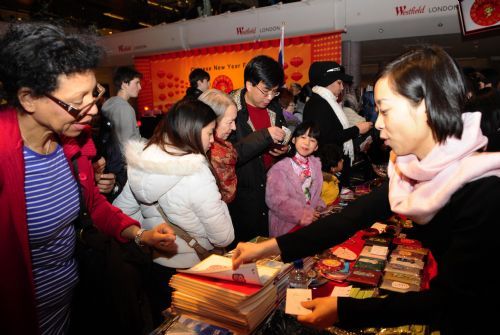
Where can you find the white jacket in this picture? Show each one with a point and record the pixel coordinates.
(187, 192)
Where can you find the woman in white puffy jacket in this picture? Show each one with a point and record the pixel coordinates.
(172, 170)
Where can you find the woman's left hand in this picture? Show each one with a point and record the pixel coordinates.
(324, 312)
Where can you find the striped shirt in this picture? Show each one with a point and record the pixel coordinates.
(52, 204)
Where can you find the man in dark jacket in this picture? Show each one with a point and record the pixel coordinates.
(327, 79)
(256, 139)
(199, 81)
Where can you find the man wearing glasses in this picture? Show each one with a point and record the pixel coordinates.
(257, 140)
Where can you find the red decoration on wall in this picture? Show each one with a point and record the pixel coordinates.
(321, 47)
(296, 76)
(296, 61)
(223, 83)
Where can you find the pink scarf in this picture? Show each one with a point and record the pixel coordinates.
(419, 189)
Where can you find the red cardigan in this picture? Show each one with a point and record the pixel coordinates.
(17, 295)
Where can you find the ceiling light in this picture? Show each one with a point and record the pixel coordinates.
(114, 16)
(145, 24)
(162, 6)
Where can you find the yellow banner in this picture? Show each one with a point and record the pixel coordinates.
(166, 76)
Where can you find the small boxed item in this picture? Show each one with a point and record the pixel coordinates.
(368, 263)
(365, 277)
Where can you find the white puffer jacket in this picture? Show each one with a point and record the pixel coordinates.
(187, 192)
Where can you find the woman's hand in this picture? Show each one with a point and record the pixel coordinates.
(250, 252)
(324, 312)
(161, 237)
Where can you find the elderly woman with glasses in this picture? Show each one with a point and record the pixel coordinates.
(45, 153)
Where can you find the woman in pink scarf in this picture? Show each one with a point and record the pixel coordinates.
(440, 178)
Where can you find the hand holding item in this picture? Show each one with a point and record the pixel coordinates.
(161, 237)
(364, 127)
(106, 182)
(316, 215)
(276, 133)
(99, 166)
(307, 217)
(324, 312)
(250, 252)
(278, 150)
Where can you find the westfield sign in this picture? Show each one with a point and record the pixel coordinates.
(246, 31)
(404, 10)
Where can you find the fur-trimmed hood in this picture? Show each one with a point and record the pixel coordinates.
(153, 172)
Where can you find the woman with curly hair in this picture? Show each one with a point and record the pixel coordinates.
(51, 89)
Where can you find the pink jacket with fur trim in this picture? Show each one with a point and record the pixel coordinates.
(285, 198)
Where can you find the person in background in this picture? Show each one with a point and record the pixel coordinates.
(368, 102)
(295, 88)
(487, 101)
(223, 155)
(350, 106)
(327, 79)
(110, 172)
(331, 165)
(49, 82)
(172, 171)
(258, 114)
(294, 184)
(118, 110)
(441, 180)
(199, 80)
(288, 107)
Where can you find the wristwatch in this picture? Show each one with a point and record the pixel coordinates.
(138, 236)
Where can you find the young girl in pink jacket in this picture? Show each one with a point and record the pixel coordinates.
(293, 192)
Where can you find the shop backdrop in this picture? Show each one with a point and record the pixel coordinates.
(166, 75)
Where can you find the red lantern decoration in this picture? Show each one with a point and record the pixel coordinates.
(296, 61)
(296, 76)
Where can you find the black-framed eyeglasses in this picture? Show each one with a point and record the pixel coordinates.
(270, 94)
(79, 113)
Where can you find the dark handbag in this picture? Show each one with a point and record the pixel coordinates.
(112, 293)
(191, 241)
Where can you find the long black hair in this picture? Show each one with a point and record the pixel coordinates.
(181, 127)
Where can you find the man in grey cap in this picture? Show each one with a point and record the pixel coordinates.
(327, 81)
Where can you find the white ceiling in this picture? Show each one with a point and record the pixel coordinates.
(381, 51)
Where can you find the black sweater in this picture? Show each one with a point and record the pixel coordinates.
(462, 237)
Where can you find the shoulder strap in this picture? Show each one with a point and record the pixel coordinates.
(191, 241)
